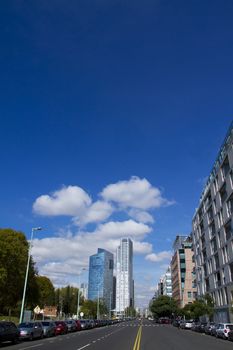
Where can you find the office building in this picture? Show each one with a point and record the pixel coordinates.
(182, 272)
(124, 276)
(212, 234)
(101, 276)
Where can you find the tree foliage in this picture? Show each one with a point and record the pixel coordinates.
(198, 308)
(163, 306)
(13, 261)
(89, 308)
(66, 299)
(46, 291)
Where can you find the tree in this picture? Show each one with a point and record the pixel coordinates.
(46, 291)
(130, 312)
(66, 299)
(200, 307)
(163, 306)
(13, 261)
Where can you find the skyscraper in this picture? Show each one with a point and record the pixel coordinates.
(101, 276)
(124, 276)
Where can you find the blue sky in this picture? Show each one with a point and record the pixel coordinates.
(132, 94)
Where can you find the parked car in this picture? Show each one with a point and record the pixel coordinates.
(49, 328)
(230, 335)
(200, 327)
(84, 324)
(164, 320)
(213, 329)
(61, 327)
(194, 326)
(8, 332)
(71, 324)
(31, 330)
(186, 324)
(208, 327)
(78, 324)
(223, 329)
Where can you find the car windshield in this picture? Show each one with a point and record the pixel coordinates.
(229, 326)
(46, 323)
(26, 325)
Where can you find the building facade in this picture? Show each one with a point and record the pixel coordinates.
(182, 272)
(212, 234)
(100, 285)
(167, 283)
(124, 276)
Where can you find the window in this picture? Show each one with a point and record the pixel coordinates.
(210, 215)
(215, 185)
(227, 229)
(212, 230)
(220, 219)
(225, 168)
(189, 295)
(223, 193)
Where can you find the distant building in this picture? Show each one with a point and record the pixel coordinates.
(160, 288)
(124, 276)
(101, 276)
(167, 283)
(213, 234)
(182, 272)
(84, 290)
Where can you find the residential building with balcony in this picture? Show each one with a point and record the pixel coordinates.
(213, 234)
(182, 271)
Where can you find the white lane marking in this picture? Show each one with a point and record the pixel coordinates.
(32, 346)
(83, 347)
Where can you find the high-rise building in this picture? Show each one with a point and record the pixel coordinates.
(182, 272)
(167, 283)
(124, 276)
(84, 290)
(213, 234)
(100, 284)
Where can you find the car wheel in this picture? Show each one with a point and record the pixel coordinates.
(42, 335)
(31, 336)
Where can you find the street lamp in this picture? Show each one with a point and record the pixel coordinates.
(78, 302)
(26, 275)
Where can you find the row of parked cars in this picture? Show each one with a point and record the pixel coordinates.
(219, 330)
(40, 329)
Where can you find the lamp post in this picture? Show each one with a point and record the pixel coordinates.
(78, 302)
(98, 305)
(26, 275)
(110, 306)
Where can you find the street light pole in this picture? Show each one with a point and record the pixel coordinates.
(78, 302)
(110, 306)
(98, 305)
(26, 275)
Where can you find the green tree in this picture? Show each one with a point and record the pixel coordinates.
(200, 307)
(130, 312)
(163, 306)
(46, 291)
(66, 300)
(13, 260)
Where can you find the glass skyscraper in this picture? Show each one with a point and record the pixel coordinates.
(101, 277)
(124, 276)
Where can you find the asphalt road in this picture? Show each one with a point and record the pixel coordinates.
(132, 335)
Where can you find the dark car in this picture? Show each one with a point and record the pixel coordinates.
(8, 332)
(208, 327)
(71, 324)
(200, 327)
(61, 327)
(230, 335)
(49, 328)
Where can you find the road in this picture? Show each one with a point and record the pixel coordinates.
(134, 335)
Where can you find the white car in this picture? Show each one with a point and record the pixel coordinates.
(186, 324)
(223, 329)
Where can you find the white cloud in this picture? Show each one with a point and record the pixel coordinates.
(141, 216)
(165, 255)
(97, 212)
(70, 201)
(135, 193)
